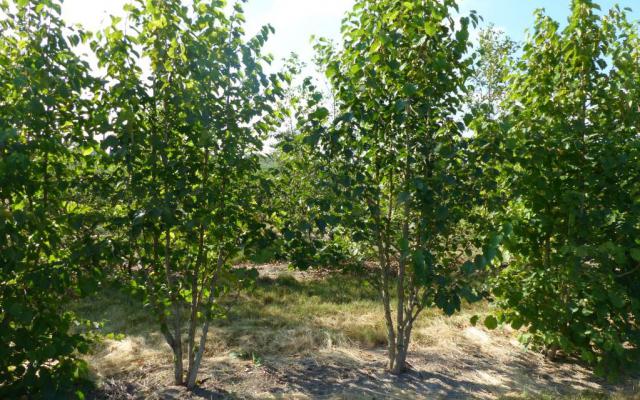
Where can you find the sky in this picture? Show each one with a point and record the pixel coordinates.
(295, 21)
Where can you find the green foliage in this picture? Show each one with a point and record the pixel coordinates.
(569, 166)
(182, 154)
(305, 224)
(157, 178)
(394, 157)
(49, 250)
(496, 56)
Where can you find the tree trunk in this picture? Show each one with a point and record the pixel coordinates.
(401, 324)
(178, 368)
(400, 362)
(391, 333)
(386, 299)
(201, 262)
(195, 301)
(192, 374)
(177, 314)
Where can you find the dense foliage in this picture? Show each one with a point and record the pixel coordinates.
(182, 152)
(568, 152)
(49, 250)
(305, 207)
(395, 153)
(439, 171)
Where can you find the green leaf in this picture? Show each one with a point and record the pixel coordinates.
(468, 267)
(491, 322)
(616, 300)
(311, 140)
(431, 28)
(410, 89)
(480, 261)
(331, 71)
(517, 323)
(403, 197)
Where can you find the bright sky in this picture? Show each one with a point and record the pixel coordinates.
(296, 20)
(515, 16)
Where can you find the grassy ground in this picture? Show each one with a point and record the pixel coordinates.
(303, 336)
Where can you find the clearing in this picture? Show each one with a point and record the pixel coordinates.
(320, 335)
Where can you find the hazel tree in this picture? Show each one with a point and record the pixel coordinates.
(398, 157)
(184, 154)
(496, 56)
(49, 247)
(569, 151)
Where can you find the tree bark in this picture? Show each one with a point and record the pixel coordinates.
(403, 326)
(177, 313)
(192, 374)
(201, 261)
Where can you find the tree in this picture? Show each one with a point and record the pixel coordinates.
(496, 56)
(184, 154)
(395, 153)
(301, 205)
(568, 151)
(49, 250)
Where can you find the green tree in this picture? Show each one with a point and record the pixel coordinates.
(307, 229)
(184, 155)
(396, 155)
(49, 250)
(569, 159)
(496, 56)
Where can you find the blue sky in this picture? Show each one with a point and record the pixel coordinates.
(296, 20)
(515, 16)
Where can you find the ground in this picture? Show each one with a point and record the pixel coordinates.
(321, 336)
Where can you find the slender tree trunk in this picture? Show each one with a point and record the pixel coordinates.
(403, 322)
(192, 373)
(400, 323)
(164, 326)
(403, 326)
(386, 301)
(195, 367)
(131, 204)
(200, 262)
(195, 294)
(177, 313)
(385, 286)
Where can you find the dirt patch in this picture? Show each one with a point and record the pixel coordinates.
(450, 359)
(360, 374)
(278, 270)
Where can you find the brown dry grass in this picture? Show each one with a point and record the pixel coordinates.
(308, 336)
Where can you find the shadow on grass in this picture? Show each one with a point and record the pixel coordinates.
(281, 326)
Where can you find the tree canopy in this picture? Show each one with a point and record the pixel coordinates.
(441, 169)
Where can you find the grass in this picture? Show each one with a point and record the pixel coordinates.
(280, 316)
(307, 315)
(282, 320)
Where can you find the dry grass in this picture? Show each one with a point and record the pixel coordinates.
(300, 336)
